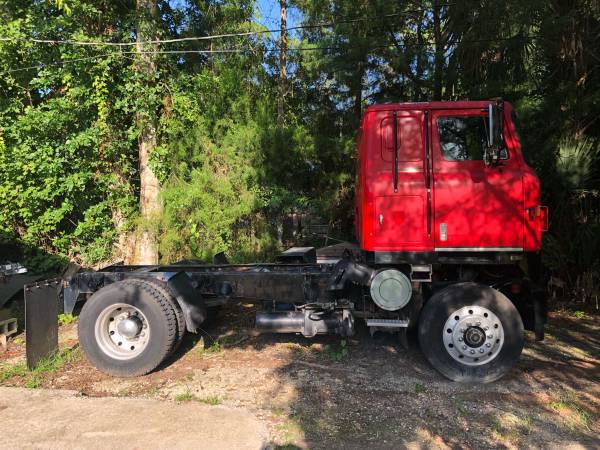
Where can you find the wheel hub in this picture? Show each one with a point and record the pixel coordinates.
(129, 327)
(122, 331)
(473, 335)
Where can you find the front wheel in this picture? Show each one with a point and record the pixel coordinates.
(471, 333)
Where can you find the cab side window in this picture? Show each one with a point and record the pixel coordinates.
(464, 138)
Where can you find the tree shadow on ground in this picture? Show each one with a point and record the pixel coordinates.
(372, 393)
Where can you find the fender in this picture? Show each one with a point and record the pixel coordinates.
(190, 301)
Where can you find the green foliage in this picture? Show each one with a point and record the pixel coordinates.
(420, 388)
(66, 319)
(212, 349)
(186, 396)
(211, 400)
(337, 353)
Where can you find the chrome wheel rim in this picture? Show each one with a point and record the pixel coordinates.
(122, 331)
(473, 335)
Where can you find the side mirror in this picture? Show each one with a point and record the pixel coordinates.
(494, 129)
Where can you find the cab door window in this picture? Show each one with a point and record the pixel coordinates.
(464, 138)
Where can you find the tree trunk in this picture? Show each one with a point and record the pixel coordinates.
(358, 88)
(282, 67)
(418, 93)
(438, 67)
(150, 207)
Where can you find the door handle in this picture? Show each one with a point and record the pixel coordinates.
(380, 219)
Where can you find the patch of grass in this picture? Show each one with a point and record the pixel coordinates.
(569, 401)
(509, 426)
(186, 396)
(460, 406)
(420, 388)
(11, 371)
(290, 430)
(579, 314)
(66, 319)
(52, 364)
(213, 349)
(35, 377)
(211, 400)
(18, 341)
(337, 353)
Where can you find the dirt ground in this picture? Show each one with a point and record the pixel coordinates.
(360, 393)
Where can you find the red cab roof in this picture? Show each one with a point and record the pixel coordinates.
(462, 104)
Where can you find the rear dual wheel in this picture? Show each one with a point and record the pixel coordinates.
(471, 333)
(129, 327)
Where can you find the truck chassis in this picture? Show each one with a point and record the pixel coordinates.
(134, 317)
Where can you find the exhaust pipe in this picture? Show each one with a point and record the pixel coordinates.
(309, 322)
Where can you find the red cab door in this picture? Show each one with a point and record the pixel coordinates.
(399, 199)
(476, 207)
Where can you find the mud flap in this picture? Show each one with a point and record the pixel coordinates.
(41, 320)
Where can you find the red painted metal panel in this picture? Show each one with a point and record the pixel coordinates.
(473, 206)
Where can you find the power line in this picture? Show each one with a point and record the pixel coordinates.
(58, 63)
(390, 46)
(215, 36)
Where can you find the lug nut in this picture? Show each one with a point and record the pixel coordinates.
(464, 347)
(462, 330)
(478, 323)
(472, 352)
(481, 350)
(490, 336)
(460, 339)
(488, 345)
(486, 328)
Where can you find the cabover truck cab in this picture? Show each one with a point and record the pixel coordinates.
(448, 220)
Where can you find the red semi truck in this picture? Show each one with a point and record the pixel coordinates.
(447, 214)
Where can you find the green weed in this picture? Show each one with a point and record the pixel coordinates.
(337, 354)
(66, 319)
(12, 371)
(460, 406)
(186, 396)
(214, 348)
(211, 400)
(420, 388)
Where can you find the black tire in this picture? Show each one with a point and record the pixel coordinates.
(156, 308)
(442, 305)
(169, 297)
